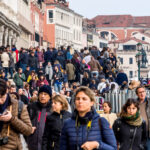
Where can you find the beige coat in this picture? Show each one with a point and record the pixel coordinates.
(5, 59)
(17, 126)
(110, 118)
(70, 69)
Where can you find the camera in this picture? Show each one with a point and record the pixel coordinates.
(4, 140)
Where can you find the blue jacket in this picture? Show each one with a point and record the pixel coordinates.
(69, 134)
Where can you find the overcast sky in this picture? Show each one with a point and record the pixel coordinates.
(92, 8)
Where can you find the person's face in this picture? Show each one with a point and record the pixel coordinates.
(28, 68)
(35, 93)
(12, 90)
(20, 70)
(20, 91)
(83, 103)
(56, 69)
(44, 97)
(56, 106)
(106, 108)
(2, 99)
(131, 110)
(141, 93)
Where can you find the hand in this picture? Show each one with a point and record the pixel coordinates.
(90, 145)
(33, 129)
(6, 116)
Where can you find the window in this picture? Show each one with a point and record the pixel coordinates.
(130, 60)
(50, 16)
(131, 74)
(89, 38)
(143, 38)
(129, 47)
(37, 38)
(121, 60)
(102, 45)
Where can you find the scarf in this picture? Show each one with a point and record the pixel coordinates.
(134, 120)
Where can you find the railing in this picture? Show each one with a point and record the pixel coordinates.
(116, 99)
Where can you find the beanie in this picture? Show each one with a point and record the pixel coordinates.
(47, 89)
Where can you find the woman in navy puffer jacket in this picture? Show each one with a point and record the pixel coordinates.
(86, 130)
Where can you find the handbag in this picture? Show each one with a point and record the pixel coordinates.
(133, 138)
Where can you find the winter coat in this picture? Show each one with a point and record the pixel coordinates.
(17, 125)
(70, 69)
(121, 77)
(95, 66)
(124, 135)
(32, 61)
(49, 71)
(85, 81)
(52, 131)
(61, 60)
(38, 114)
(23, 58)
(48, 56)
(19, 80)
(40, 82)
(5, 59)
(58, 75)
(95, 53)
(11, 61)
(104, 136)
(40, 56)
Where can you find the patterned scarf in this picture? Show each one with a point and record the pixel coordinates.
(134, 120)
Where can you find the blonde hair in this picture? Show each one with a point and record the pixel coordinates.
(62, 100)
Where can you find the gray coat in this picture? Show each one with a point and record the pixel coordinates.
(49, 71)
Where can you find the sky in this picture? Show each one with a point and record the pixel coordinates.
(91, 8)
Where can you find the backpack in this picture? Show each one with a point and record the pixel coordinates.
(20, 107)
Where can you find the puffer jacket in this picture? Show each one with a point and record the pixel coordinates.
(17, 126)
(52, 131)
(104, 135)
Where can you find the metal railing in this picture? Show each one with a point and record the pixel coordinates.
(117, 99)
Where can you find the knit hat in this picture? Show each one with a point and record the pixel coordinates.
(47, 89)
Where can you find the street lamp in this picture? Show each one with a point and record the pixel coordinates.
(138, 57)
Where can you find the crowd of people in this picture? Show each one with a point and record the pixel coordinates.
(49, 97)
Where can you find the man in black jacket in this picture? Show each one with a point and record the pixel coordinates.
(38, 112)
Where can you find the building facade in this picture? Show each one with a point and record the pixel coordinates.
(62, 26)
(9, 25)
(37, 18)
(25, 24)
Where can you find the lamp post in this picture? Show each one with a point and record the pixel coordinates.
(138, 57)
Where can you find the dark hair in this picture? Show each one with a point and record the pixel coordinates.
(139, 87)
(109, 105)
(3, 87)
(129, 102)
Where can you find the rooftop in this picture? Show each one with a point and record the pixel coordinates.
(121, 21)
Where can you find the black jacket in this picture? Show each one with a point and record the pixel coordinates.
(52, 131)
(37, 114)
(124, 135)
(32, 61)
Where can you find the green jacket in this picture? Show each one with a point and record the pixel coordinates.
(19, 80)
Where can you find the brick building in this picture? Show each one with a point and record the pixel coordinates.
(62, 26)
